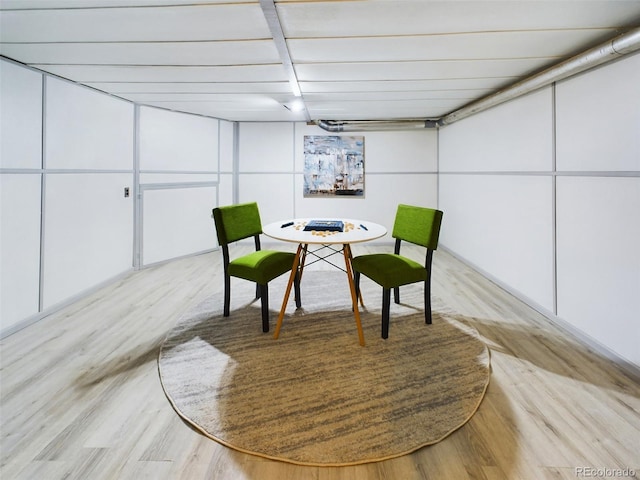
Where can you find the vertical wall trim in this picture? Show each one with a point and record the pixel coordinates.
(236, 163)
(554, 169)
(219, 156)
(137, 223)
(217, 199)
(43, 188)
(438, 168)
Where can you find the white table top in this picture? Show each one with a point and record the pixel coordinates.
(353, 232)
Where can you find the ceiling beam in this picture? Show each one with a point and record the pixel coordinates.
(271, 15)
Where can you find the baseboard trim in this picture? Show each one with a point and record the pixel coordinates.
(22, 324)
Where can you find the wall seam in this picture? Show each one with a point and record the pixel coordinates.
(43, 190)
(137, 227)
(554, 209)
(235, 196)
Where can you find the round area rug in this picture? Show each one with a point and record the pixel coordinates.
(315, 396)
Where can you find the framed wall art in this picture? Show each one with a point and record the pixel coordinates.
(333, 166)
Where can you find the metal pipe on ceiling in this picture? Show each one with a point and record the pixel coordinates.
(373, 125)
(603, 53)
(612, 49)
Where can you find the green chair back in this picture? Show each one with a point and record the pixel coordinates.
(236, 222)
(418, 225)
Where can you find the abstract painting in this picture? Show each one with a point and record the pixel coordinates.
(333, 166)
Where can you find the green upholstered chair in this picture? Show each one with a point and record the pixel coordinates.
(417, 225)
(237, 222)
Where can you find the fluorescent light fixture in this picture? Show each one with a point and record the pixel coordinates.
(297, 105)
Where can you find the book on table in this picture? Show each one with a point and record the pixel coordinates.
(324, 226)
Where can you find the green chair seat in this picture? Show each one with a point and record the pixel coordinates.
(261, 266)
(390, 270)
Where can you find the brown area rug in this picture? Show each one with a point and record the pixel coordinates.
(314, 396)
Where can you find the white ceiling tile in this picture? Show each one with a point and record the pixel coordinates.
(49, 4)
(417, 70)
(228, 98)
(381, 110)
(442, 85)
(146, 53)
(398, 18)
(184, 23)
(468, 46)
(234, 112)
(347, 97)
(90, 73)
(190, 87)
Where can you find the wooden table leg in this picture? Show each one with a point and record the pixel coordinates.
(354, 300)
(294, 271)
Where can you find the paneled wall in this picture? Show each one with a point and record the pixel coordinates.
(179, 157)
(543, 195)
(400, 167)
(20, 192)
(68, 154)
(598, 204)
(496, 192)
(88, 162)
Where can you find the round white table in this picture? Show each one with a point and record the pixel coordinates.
(354, 231)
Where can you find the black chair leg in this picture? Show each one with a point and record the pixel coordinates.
(356, 285)
(386, 305)
(258, 291)
(427, 302)
(264, 300)
(396, 294)
(227, 294)
(296, 289)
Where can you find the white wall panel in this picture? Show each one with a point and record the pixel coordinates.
(599, 259)
(86, 129)
(598, 119)
(88, 232)
(20, 240)
(266, 147)
(177, 141)
(273, 192)
(412, 151)
(177, 222)
(225, 189)
(226, 146)
(20, 117)
(502, 224)
(515, 136)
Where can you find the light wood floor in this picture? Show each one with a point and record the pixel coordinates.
(81, 398)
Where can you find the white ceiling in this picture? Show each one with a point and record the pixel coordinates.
(353, 60)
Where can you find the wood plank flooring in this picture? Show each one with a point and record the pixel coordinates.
(81, 398)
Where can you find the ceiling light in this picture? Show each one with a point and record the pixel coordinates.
(297, 105)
